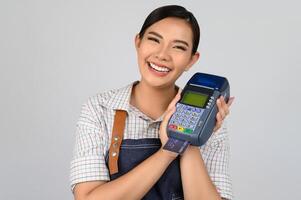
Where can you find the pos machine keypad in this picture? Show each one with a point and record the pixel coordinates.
(185, 118)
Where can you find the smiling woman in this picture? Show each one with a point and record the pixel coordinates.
(120, 133)
(165, 50)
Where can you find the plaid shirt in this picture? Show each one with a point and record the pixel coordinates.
(93, 136)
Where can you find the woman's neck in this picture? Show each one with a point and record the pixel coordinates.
(153, 102)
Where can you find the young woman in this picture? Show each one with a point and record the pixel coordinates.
(166, 47)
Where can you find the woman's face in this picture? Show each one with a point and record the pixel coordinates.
(164, 52)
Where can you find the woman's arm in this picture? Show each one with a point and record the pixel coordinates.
(195, 179)
(133, 185)
(196, 182)
(137, 182)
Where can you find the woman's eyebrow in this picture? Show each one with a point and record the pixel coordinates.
(183, 42)
(156, 34)
(176, 41)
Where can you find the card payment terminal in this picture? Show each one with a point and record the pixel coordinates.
(195, 116)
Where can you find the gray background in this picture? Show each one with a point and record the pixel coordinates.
(55, 54)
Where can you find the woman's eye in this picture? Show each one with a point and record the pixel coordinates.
(153, 39)
(181, 48)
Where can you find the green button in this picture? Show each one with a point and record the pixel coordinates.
(187, 130)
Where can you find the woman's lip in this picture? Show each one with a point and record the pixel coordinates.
(159, 65)
(157, 73)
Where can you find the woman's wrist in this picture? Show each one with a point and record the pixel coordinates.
(191, 150)
(169, 155)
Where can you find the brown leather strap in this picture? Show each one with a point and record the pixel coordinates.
(117, 135)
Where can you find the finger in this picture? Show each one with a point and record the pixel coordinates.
(219, 118)
(216, 128)
(231, 99)
(220, 108)
(175, 100)
(219, 122)
(167, 116)
(224, 106)
(179, 91)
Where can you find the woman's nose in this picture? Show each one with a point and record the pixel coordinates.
(162, 54)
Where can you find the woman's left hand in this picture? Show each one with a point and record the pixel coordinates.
(168, 113)
(223, 111)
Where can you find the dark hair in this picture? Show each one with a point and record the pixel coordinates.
(173, 11)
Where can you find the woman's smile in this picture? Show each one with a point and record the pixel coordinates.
(157, 69)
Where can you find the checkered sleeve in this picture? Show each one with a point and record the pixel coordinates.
(88, 162)
(216, 157)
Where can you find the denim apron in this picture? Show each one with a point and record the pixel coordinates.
(134, 151)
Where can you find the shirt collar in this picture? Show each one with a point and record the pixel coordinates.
(120, 100)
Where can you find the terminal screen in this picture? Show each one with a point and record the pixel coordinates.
(194, 99)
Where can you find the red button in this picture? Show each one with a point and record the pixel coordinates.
(172, 126)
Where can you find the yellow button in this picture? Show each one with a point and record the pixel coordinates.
(180, 128)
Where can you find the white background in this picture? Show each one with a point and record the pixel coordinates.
(55, 54)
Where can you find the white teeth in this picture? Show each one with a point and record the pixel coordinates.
(160, 69)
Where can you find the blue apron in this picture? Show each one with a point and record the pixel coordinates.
(133, 152)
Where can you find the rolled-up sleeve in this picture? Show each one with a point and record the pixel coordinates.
(88, 163)
(215, 154)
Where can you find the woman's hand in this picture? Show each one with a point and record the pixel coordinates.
(170, 110)
(223, 111)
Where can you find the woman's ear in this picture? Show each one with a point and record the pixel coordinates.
(137, 41)
(194, 59)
